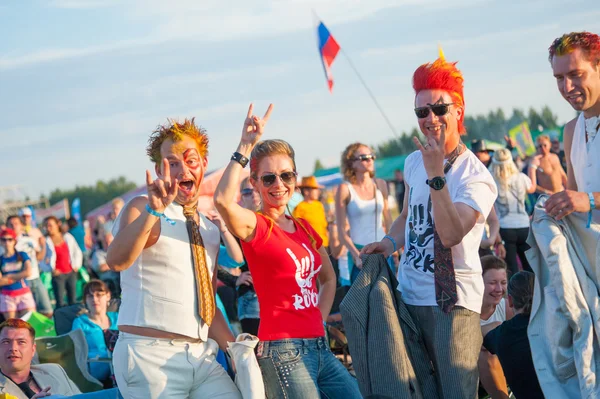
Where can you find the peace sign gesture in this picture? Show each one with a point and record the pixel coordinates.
(254, 126)
(162, 191)
(433, 154)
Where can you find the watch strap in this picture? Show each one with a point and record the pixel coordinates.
(239, 158)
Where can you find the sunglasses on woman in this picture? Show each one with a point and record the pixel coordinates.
(6, 239)
(247, 191)
(286, 177)
(438, 110)
(365, 157)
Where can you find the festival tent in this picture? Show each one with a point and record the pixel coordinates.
(205, 203)
(384, 169)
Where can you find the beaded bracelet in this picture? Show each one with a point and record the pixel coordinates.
(159, 215)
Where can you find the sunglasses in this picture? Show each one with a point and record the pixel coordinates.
(438, 110)
(7, 239)
(365, 157)
(286, 177)
(247, 191)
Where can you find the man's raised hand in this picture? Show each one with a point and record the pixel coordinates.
(254, 126)
(162, 191)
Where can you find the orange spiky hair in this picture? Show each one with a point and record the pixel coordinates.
(442, 75)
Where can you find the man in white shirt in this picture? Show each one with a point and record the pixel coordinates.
(36, 253)
(575, 60)
(166, 251)
(450, 195)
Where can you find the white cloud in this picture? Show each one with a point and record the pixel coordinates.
(216, 20)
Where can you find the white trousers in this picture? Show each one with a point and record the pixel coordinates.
(151, 368)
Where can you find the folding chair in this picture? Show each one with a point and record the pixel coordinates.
(71, 352)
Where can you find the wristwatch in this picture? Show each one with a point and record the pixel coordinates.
(239, 158)
(437, 183)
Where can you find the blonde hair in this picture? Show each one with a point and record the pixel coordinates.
(118, 201)
(543, 137)
(267, 148)
(503, 167)
(348, 159)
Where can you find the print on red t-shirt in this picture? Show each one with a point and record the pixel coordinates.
(284, 269)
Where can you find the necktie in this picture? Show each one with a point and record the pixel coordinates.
(206, 297)
(445, 280)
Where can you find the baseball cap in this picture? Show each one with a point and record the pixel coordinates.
(8, 232)
(25, 211)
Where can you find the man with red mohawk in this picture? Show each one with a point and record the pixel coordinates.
(450, 194)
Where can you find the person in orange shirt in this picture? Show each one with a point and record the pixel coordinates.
(311, 209)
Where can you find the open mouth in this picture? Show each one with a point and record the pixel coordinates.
(278, 194)
(186, 186)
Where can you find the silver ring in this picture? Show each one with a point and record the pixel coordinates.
(426, 146)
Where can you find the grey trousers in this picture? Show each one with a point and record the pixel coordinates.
(453, 341)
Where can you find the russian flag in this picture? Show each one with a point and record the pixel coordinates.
(328, 49)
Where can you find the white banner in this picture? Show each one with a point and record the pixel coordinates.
(60, 210)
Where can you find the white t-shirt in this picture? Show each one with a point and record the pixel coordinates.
(498, 315)
(510, 204)
(31, 247)
(468, 182)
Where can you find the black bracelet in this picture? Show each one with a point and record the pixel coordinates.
(239, 158)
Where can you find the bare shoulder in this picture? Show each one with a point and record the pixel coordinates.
(570, 129)
(132, 210)
(382, 185)
(342, 192)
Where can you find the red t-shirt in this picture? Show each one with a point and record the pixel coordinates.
(63, 258)
(284, 269)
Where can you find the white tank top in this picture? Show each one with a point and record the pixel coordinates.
(586, 162)
(364, 229)
(498, 315)
(159, 289)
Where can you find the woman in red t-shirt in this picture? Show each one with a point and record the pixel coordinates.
(291, 271)
(66, 262)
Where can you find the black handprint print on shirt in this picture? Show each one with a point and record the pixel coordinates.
(420, 237)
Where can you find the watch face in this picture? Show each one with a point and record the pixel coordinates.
(437, 183)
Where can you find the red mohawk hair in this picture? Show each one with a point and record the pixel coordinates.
(442, 75)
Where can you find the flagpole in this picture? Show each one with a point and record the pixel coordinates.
(316, 21)
(369, 91)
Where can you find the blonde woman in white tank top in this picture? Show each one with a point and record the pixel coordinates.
(362, 202)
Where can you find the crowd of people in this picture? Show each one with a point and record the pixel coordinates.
(177, 286)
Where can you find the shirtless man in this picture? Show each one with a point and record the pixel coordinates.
(551, 177)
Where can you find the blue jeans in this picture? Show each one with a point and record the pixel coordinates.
(40, 295)
(304, 368)
(248, 307)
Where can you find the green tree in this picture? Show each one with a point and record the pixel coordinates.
(318, 165)
(93, 196)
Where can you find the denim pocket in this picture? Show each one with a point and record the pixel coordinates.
(287, 356)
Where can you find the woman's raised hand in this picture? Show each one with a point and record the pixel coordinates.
(254, 126)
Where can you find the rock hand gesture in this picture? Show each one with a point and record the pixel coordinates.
(162, 191)
(254, 126)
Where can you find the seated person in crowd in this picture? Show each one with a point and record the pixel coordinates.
(96, 297)
(493, 309)
(16, 298)
(99, 266)
(18, 376)
(508, 340)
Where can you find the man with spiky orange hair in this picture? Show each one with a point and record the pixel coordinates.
(450, 194)
(166, 251)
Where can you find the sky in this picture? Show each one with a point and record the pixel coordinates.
(84, 82)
